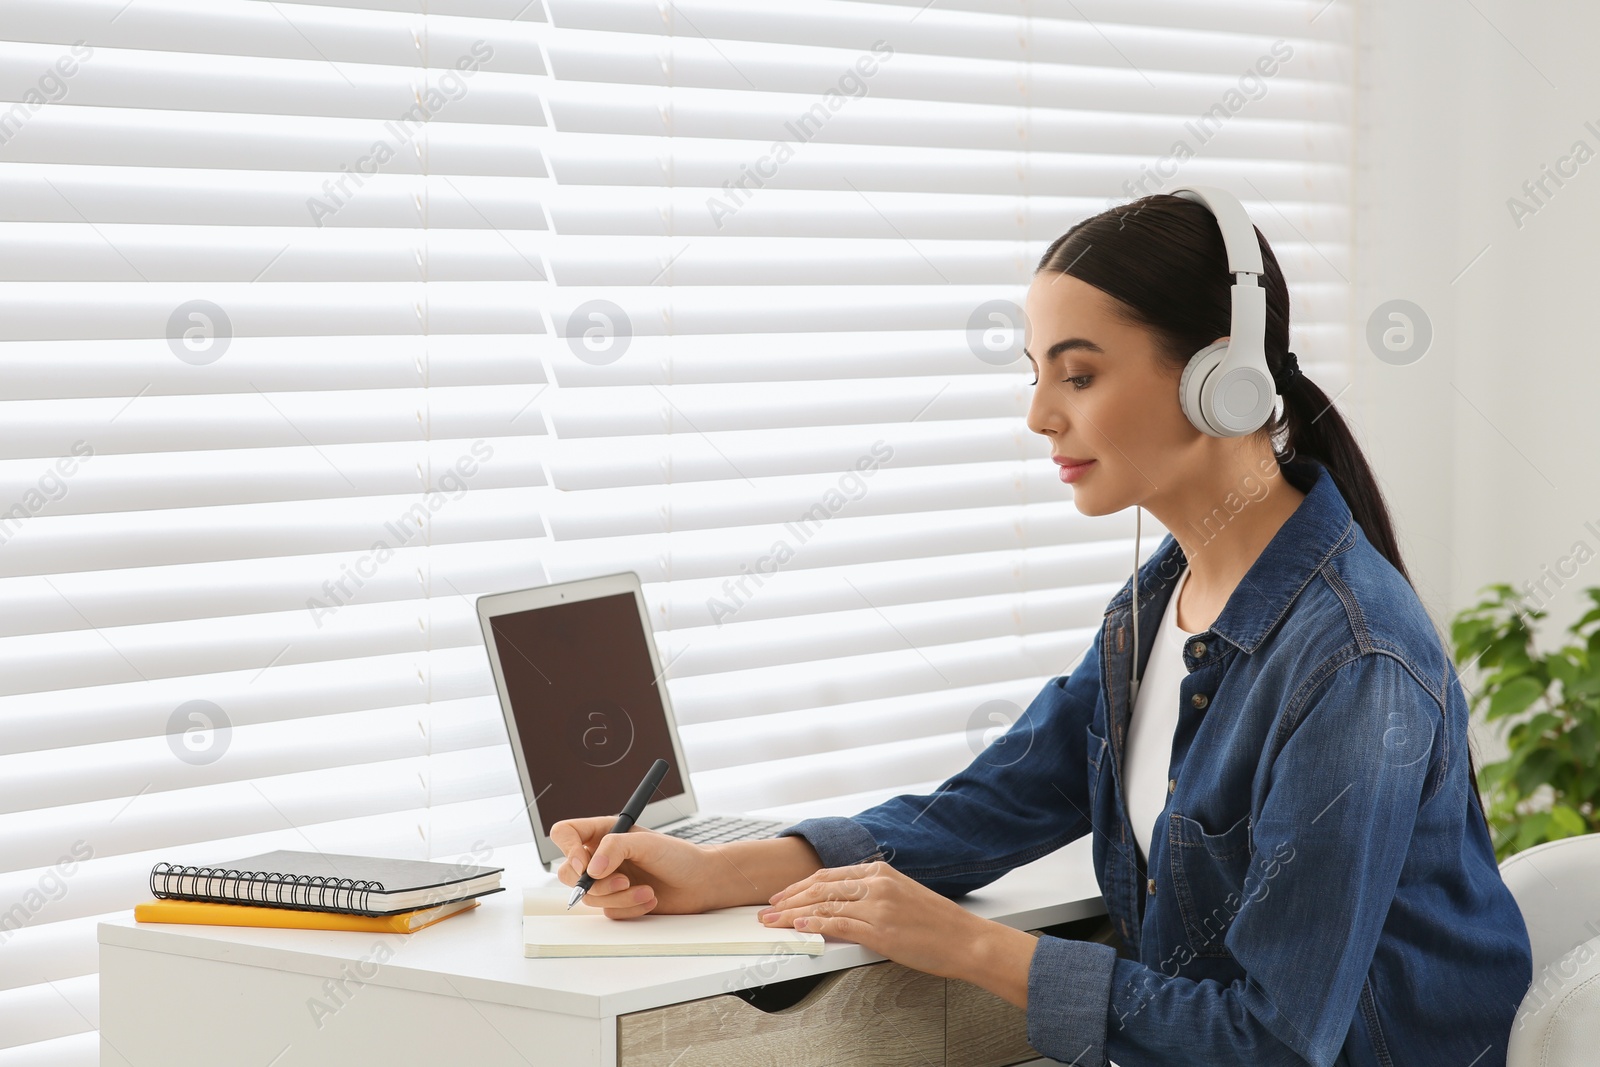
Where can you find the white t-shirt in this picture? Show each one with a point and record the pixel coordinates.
(1155, 720)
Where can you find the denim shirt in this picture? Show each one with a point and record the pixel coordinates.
(1319, 890)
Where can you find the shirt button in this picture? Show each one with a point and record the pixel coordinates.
(1199, 700)
(1152, 886)
(1172, 784)
(1198, 649)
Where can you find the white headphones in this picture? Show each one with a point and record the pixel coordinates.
(1227, 388)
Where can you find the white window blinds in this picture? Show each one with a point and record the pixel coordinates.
(319, 320)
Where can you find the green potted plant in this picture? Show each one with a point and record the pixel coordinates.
(1552, 702)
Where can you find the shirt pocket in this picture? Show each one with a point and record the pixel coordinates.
(1208, 875)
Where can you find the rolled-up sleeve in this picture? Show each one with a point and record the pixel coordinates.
(839, 840)
(1024, 796)
(1333, 833)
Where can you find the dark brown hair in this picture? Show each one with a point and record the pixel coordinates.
(1162, 260)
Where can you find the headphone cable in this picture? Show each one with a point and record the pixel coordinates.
(1133, 671)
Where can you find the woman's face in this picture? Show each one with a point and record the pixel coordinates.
(1104, 395)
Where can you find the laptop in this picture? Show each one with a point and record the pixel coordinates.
(586, 710)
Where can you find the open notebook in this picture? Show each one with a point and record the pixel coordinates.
(549, 929)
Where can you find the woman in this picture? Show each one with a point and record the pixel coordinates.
(1285, 817)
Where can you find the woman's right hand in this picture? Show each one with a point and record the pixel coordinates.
(639, 871)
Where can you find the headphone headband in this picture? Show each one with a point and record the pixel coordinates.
(1238, 232)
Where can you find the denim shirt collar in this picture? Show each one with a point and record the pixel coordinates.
(1320, 526)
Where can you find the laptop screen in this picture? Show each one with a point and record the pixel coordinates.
(584, 697)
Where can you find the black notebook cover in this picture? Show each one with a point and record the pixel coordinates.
(318, 881)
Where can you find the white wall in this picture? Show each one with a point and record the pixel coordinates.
(1485, 446)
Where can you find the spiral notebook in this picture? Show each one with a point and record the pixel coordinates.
(322, 881)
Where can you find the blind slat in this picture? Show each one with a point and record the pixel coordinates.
(55, 370)
(130, 137)
(47, 544)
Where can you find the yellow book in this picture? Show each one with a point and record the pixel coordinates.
(205, 913)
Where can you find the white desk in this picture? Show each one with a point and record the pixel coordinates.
(459, 992)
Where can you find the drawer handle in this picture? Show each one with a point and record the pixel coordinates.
(776, 998)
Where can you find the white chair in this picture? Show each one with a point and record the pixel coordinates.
(1557, 887)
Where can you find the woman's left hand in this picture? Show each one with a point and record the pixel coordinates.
(878, 907)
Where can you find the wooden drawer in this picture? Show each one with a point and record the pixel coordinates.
(878, 1013)
(983, 1030)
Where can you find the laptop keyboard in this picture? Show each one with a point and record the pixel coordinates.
(709, 831)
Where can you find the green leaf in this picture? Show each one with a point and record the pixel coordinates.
(1515, 696)
(1511, 672)
(1565, 822)
(1513, 649)
(1583, 738)
(1537, 769)
(1583, 685)
(1470, 635)
(1545, 720)
(1533, 830)
(1565, 669)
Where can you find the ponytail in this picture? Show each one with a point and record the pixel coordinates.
(1162, 260)
(1311, 426)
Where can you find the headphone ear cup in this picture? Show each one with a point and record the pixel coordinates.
(1195, 371)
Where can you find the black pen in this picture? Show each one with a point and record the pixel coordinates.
(630, 814)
